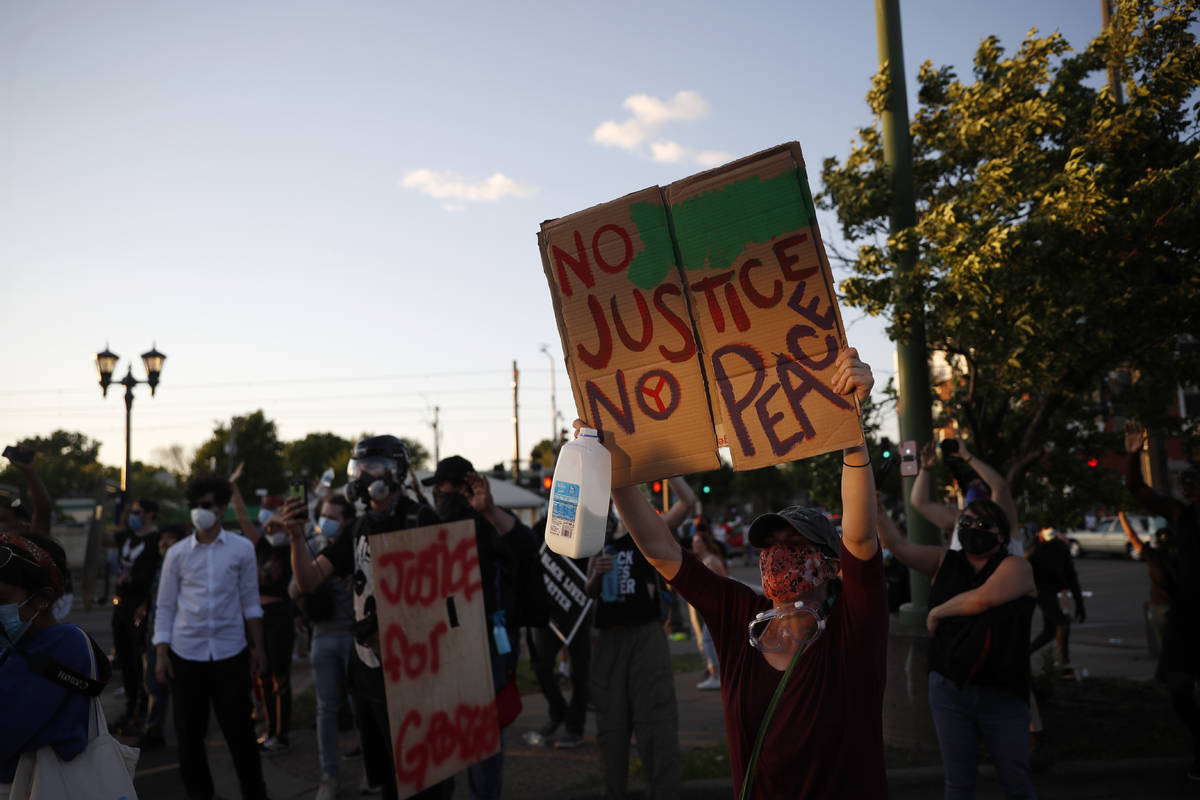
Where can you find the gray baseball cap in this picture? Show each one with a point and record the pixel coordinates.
(809, 522)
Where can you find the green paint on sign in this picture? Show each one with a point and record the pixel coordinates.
(714, 228)
(657, 258)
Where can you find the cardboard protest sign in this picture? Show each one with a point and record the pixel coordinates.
(716, 292)
(434, 650)
(631, 350)
(565, 585)
(764, 308)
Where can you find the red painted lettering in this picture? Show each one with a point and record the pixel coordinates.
(788, 261)
(636, 345)
(736, 310)
(709, 287)
(625, 240)
(579, 265)
(688, 350)
(394, 561)
(748, 288)
(469, 732)
(604, 350)
(403, 658)
(597, 399)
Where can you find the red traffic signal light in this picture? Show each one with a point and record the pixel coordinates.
(656, 487)
(547, 482)
(1093, 462)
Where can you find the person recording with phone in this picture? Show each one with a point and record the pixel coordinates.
(377, 471)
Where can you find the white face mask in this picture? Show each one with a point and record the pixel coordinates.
(203, 518)
(277, 539)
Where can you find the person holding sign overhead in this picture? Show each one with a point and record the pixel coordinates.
(803, 691)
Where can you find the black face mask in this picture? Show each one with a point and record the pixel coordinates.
(452, 506)
(977, 536)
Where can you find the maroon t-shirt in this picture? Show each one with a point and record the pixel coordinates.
(826, 737)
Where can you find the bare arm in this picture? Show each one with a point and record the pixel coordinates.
(649, 531)
(859, 526)
(308, 572)
(924, 558)
(1012, 579)
(41, 498)
(239, 508)
(1134, 540)
(921, 496)
(1001, 493)
(684, 505)
(1135, 440)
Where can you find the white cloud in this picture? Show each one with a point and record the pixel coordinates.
(668, 152)
(452, 187)
(649, 115)
(654, 112)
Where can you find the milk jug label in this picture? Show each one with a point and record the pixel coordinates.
(563, 507)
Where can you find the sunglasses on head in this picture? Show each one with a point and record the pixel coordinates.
(7, 554)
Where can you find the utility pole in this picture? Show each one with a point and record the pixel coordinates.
(516, 429)
(911, 355)
(437, 439)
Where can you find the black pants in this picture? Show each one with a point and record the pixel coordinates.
(129, 642)
(546, 645)
(225, 685)
(1056, 625)
(371, 714)
(279, 633)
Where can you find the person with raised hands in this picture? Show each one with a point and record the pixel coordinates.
(802, 669)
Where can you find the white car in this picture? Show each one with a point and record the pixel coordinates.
(1109, 537)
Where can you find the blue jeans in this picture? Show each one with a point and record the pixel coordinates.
(159, 694)
(330, 655)
(961, 717)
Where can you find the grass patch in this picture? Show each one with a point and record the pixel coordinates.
(695, 764)
(688, 662)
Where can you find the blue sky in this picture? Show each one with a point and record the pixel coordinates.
(329, 210)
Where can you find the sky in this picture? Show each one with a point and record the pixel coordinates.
(328, 210)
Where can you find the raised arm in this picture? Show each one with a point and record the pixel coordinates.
(1012, 579)
(684, 505)
(924, 558)
(1135, 541)
(921, 496)
(859, 526)
(1135, 440)
(239, 508)
(309, 572)
(37, 491)
(1001, 493)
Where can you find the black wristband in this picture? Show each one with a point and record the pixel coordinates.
(856, 466)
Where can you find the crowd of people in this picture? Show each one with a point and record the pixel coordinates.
(206, 619)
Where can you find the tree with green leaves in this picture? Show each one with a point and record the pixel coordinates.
(1057, 240)
(256, 443)
(316, 453)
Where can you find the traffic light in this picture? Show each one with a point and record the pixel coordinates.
(656, 487)
(706, 489)
(885, 445)
(547, 482)
(1093, 462)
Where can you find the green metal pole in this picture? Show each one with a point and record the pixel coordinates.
(913, 361)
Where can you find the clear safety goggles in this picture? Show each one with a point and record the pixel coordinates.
(376, 467)
(771, 630)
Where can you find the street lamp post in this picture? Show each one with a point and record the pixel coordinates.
(106, 363)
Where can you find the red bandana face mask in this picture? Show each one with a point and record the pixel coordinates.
(791, 569)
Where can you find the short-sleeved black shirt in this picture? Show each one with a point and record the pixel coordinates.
(638, 588)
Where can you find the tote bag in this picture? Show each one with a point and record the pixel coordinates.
(103, 771)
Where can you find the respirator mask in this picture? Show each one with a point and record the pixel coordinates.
(372, 478)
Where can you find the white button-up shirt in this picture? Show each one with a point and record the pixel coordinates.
(205, 592)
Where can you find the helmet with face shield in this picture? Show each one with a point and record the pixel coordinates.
(376, 469)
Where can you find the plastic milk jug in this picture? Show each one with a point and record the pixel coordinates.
(579, 497)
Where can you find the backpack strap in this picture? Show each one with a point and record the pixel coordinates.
(56, 672)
